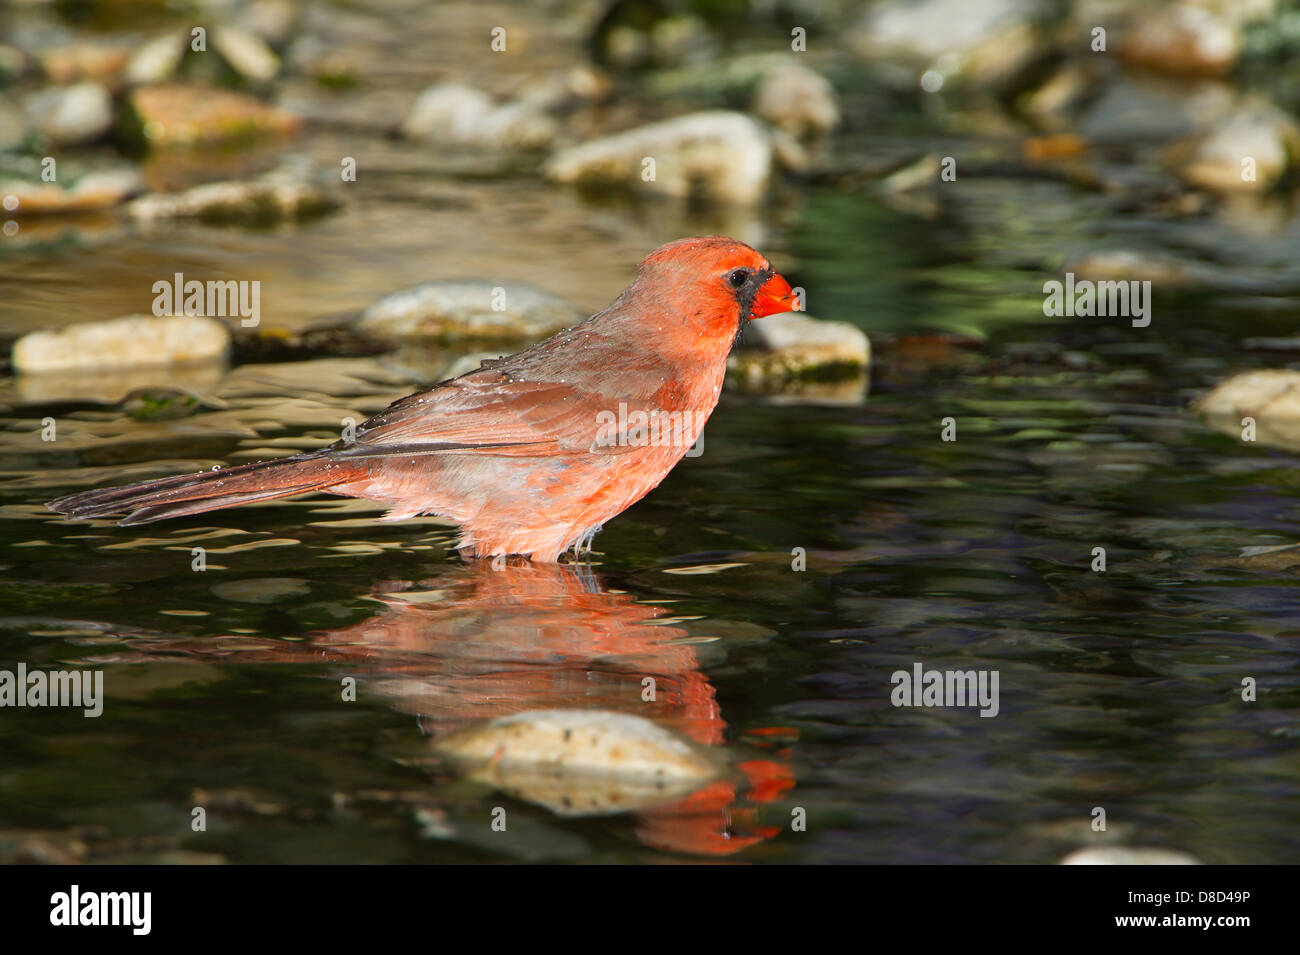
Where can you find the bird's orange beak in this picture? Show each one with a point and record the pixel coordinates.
(775, 296)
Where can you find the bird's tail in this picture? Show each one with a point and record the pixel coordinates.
(212, 490)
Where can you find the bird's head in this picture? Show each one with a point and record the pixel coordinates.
(723, 282)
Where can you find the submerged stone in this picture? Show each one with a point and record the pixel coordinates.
(581, 762)
(1117, 855)
(468, 309)
(292, 191)
(136, 340)
(96, 190)
(780, 349)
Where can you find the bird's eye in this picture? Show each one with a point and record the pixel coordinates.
(738, 278)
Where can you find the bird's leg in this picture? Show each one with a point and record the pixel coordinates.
(585, 544)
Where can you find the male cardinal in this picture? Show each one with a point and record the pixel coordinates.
(531, 453)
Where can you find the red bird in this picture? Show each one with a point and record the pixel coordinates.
(531, 453)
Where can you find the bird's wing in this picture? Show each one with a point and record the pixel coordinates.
(487, 411)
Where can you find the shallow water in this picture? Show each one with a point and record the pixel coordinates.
(1118, 689)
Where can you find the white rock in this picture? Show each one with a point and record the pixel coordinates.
(453, 113)
(797, 100)
(581, 762)
(516, 125)
(1181, 38)
(1258, 133)
(72, 115)
(721, 154)
(988, 41)
(453, 110)
(247, 54)
(272, 20)
(157, 59)
(781, 348)
(464, 310)
(795, 330)
(288, 192)
(931, 28)
(1123, 856)
(1269, 397)
(1274, 392)
(137, 340)
(95, 190)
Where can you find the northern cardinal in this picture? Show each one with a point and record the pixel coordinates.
(532, 453)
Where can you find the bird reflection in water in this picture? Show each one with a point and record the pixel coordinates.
(484, 640)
